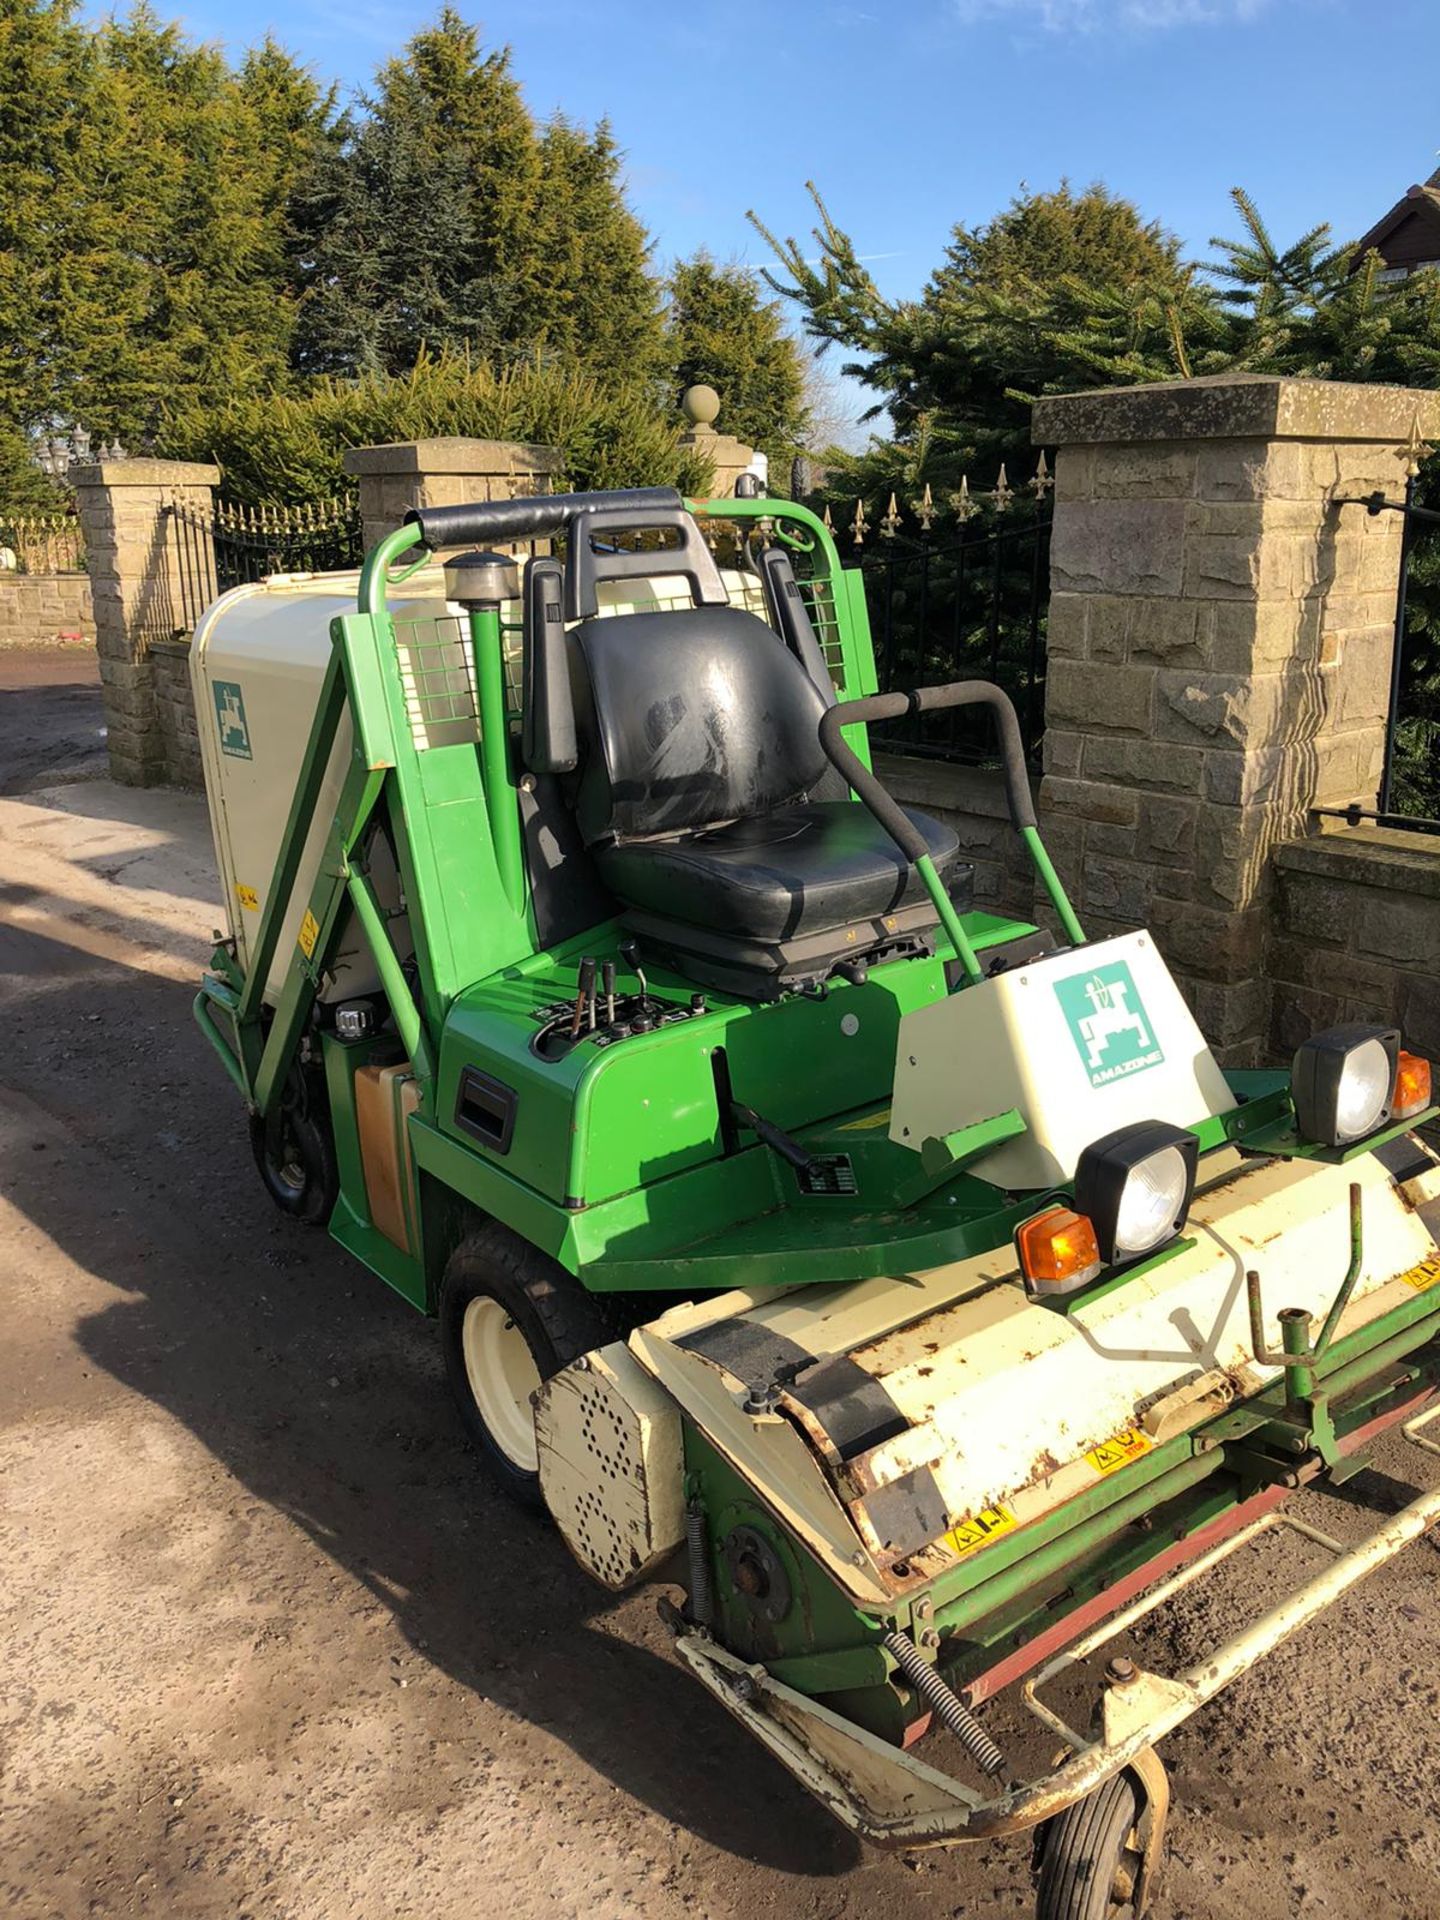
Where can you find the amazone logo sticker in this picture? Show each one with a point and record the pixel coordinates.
(1108, 1023)
(230, 713)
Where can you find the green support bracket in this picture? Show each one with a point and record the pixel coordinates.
(1051, 882)
(501, 802)
(1307, 1410)
(942, 1157)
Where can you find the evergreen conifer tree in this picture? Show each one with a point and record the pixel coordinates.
(724, 333)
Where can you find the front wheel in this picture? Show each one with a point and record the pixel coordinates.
(510, 1317)
(1090, 1857)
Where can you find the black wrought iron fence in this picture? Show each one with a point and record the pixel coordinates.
(958, 590)
(42, 542)
(1409, 793)
(235, 543)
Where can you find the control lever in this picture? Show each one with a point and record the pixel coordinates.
(773, 1137)
(630, 954)
(607, 981)
(584, 990)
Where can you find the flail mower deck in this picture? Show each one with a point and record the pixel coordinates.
(907, 1283)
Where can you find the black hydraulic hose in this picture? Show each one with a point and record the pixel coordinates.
(894, 706)
(944, 1703)
(479, 521)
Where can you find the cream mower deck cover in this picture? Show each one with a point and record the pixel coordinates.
(1000, 1409)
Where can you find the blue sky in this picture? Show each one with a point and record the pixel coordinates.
(917, 113)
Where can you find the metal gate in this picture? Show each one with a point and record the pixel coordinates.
(236, 543)
(1409, 793)
(959, 592)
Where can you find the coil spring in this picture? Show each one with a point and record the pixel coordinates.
(702, 1593)
(944, 1703)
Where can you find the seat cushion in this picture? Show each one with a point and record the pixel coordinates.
(800, 870)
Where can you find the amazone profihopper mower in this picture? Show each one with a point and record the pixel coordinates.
(907, 1283)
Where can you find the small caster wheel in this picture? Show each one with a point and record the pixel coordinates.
(1091, 1856)
(296, 1152)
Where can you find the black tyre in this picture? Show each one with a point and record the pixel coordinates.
(510, 1316)
(296, 1158)
(1089, 1857)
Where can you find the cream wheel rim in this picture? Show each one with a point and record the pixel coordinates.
(503, 1376)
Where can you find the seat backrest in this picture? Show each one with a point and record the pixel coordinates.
(689, 718)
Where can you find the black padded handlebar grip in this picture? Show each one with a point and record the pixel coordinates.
(533, 519)
(894, 706)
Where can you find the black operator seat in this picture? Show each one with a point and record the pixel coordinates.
(697, 753)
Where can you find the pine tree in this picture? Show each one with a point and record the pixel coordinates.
(589, 295)
(42, 65)
(722, 332)
(1061, 291)
(160, 250)
(447, 220)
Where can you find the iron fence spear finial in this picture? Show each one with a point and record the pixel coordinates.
(1415, 449)
(964, 507)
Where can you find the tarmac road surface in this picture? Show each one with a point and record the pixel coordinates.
(271, 1647)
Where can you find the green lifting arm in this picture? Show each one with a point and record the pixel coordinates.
(265, 1058)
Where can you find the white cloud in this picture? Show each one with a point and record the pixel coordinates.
(1096, 16)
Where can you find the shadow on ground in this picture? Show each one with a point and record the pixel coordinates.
(322, 1394)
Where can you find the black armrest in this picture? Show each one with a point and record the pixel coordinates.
(547, 712)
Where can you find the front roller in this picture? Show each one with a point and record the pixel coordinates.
(1102, 1807)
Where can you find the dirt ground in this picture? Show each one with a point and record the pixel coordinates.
(269, 1645)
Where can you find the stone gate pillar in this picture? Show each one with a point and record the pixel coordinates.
(445, 473)
(1220, 639)
(726, 456)
(138, 568)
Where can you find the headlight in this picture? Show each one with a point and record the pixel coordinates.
(1134, 1185)
(1342, 1082)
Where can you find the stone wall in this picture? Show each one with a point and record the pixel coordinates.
(39, 607)
(1219, 654)
(971, 800)
(175, 713)
(138, 578)
(1357, 935)
(447, 472)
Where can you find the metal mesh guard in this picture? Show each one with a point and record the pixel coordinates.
(437, 669)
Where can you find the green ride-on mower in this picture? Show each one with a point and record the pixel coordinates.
(907, 1283)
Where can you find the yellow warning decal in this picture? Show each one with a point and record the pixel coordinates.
(1425, 1275)
(1119, 1450)
(309, 934)
(881, 1119)
(981, 1528)
(248, 898)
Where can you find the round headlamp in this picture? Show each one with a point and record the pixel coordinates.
(1342, 1082)
(1134, 1186)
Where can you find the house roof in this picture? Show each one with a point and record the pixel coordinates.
(1410, 228)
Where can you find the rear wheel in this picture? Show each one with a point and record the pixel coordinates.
(1090, 1856)
(510, 1316)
